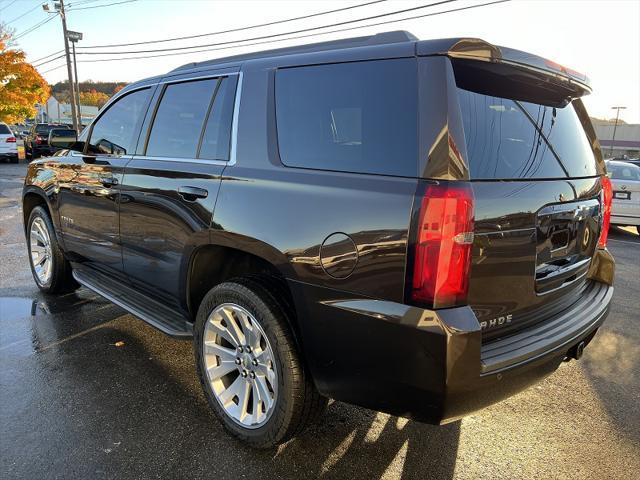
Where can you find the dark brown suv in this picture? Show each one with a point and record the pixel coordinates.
(417, 227)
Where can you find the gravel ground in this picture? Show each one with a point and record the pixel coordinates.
(73, 404)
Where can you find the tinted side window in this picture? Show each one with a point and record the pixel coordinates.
(351, 117)
(4, 130)
(216, 141)
(115, 131)
(502, 142)
(178, 122)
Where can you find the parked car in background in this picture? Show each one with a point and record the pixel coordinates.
(634, 161)
(625, 183)
(417, 227)
(8, 144)
(36, 143)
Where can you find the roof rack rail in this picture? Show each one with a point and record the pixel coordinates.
(398, 36)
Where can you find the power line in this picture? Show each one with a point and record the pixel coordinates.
(54, 68)
(34, 27)
(274, 35)
(7, 6)
(100, 6)
(453, 10)
(317, 14)
(47, 56)
(301, 36)
(49, 61)
(25, 13)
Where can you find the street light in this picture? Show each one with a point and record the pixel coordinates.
(615, 126)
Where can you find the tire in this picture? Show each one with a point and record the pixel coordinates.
(297, 402)
(57, 278)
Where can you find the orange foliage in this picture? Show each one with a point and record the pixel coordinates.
(93, 98)
(21, 86)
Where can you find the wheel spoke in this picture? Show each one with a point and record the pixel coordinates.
(212, 348)
(263, 392)
(232, 326)
(252, 336)
(223, 332)
(222, 369)
(264, 370)
(233, 390)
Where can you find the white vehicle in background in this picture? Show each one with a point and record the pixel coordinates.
(625, 183)
(8, 144)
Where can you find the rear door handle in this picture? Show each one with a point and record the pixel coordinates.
(192, 193)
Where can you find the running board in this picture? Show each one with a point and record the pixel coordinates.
(164, 318)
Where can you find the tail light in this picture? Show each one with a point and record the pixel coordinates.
(607, 198)
(39, 140)
(442, 251)
(11, 140)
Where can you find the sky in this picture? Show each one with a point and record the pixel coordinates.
(598, 37)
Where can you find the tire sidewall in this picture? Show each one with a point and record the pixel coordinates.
(273, 429)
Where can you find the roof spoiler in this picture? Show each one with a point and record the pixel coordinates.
(474, 55)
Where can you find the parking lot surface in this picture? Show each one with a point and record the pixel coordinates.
(89, 391)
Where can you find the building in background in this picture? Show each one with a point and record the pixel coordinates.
(56, 112)
(627, 141)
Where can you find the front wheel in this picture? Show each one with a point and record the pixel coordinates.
(50, 269)
(249, 366)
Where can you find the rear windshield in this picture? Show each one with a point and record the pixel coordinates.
(623, 172)
(44, 128)
(509, 139)
(4, 130)
(63, 133)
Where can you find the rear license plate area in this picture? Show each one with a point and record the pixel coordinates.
(618, 195)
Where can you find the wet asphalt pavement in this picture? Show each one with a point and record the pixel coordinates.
(76, 403)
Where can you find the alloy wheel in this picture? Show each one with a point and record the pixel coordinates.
(40, 247)
(240, 365)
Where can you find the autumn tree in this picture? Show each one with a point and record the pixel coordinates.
(21, 86)
(93, 98)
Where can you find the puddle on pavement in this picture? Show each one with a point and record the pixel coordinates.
(26, 324)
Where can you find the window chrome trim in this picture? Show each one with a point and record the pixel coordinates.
(234, 119)
(234, 122)
(180, 160)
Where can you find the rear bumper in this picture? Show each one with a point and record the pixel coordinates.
(625, 219)
(431, 365)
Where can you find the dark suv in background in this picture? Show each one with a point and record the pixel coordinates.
(417, 227)
(36, 143)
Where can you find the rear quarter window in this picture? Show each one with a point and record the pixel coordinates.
(353, 117)
(509, 139)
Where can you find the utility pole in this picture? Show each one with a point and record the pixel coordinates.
(60, 7)
(615, 127)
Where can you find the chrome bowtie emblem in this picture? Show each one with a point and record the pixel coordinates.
(586, 236)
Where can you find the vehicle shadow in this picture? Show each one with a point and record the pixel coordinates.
(612, 360)
(114, 398)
